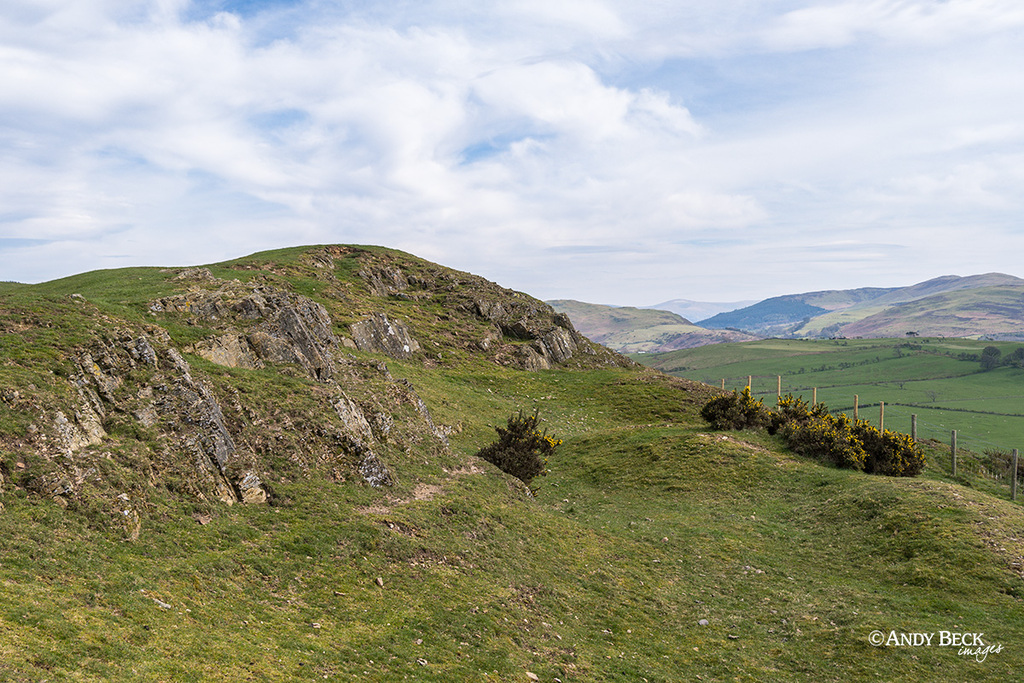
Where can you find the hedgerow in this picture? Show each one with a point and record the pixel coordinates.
(812, 431)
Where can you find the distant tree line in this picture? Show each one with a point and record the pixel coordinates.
(991, 358)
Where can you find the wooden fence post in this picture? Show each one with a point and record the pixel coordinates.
(750, 382)
(952, 451)
(1013, 473)
(814, 397)
(881, 416)
(779, 392)
(913, 427)
(856, 407)
(723, 384)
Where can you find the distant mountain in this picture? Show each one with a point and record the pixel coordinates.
(640, 330)
(951, 306)
(990, 312)
(777, 315)
(699, 310)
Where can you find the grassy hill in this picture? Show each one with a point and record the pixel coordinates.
(653, 550)
(640, 330)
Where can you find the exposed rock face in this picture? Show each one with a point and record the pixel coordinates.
(523, 332)
(360, 439)
(86, 430)
(552, 338)
(293, 328)
(230, 350)
(378, 334)
(384, 280)
(170, 394)
(200, 430)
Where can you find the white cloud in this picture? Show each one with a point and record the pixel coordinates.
(830, 25)
(523, 139)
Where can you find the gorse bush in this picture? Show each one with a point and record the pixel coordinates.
(812, 431)
(738, 410)
(828, 438)
(889, 452)
(521, 450)
(794, 410)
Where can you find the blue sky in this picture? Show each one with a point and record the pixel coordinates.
(602, 150)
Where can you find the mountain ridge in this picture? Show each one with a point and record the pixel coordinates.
(838, 312)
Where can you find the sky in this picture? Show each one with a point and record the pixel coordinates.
(609, 151)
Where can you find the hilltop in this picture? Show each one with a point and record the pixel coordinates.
(264, 469)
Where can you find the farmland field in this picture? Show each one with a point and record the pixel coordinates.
(939, 380)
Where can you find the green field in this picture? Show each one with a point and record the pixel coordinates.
(927, 377)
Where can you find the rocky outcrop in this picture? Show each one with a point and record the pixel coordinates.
(380, 335)
(291, 328)
(384, 280)
(198, 444)
(230, 350)
(360, 440)
(552, 339)
(124, 410)
(198, 426)
(522, 331)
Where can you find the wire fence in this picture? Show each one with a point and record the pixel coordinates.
(970, 454)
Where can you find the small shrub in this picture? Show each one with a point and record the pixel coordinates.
(521, 450)
(889, 453)
(738, 410)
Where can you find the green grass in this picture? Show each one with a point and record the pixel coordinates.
(646, 524)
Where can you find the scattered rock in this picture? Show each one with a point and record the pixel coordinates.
(195, 274)
(380, 581)
(703, 622)
(532, 676)
(159, 603)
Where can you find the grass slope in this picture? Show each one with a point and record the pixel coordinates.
(646, 525)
